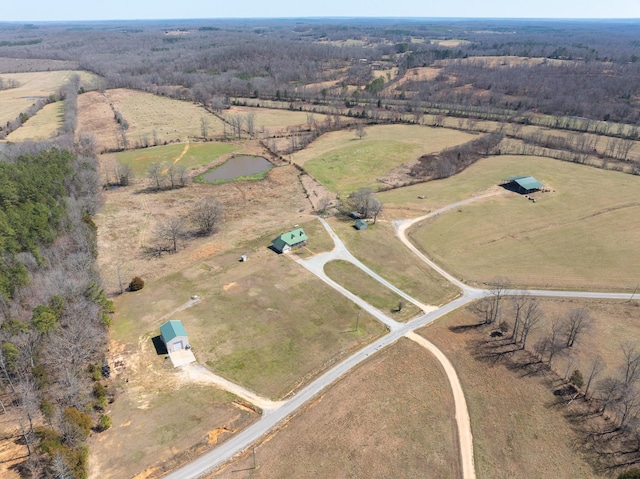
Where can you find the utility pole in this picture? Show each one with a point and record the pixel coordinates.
(357, 321)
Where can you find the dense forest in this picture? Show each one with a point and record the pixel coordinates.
(586, 69)
(53, 312)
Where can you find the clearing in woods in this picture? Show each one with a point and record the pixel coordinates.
(390, 417)
(581, 235)
(344, 163)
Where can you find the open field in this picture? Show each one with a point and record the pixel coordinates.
(580, 236)
(33, 86)
(162, 427)
(257, 324)
(171, 120)
(380, 250)
(272, 121)
(517, 430)
(195, 155)
(14, 65)
(370, 290)
(391, 417)
(43, 125)
(344, 163)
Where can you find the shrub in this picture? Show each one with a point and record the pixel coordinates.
(630, 474)
(104, 423)
(136, 284)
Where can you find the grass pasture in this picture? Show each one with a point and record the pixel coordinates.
(172, 120)
(34, 85)
(344, 163)
(390, 417)
(195, 155)
(581, 236)
(517, 430)
(370, 290)
(380, 250)
(42, 125)
(266, 324)
(273, 121)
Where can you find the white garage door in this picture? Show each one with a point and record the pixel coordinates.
(177, 346)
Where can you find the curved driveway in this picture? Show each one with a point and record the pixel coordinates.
(243, 440)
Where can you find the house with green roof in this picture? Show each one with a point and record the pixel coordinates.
(290, 240)
(174, 336)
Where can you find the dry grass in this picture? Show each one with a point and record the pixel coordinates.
(33, 86)
(273, 121)
(42, 125)
(581, 236)
(391, 417)
(343, 163)
(370, 290)
(154, 426)
(172, 120)
(517, 431)
(13, 65)
(380, 250)
(258, 324)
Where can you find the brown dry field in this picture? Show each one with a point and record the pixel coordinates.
(518, 428)
(43, 125)
(273, 121)
(252, 208)
(391, 417)
(34, 85)
(172, 120)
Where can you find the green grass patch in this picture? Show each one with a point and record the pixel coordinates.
(367, 288)
(344, 163)
(198, 154)
(379, 248)
(581, 236)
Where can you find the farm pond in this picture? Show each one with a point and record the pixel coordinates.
(237, 167)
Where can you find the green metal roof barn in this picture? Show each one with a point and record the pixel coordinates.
(522, 184)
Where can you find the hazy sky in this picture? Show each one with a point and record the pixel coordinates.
(52, 10)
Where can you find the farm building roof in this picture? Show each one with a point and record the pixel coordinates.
(172, 329)
(291, 238)
(526, 182)
(361, 224)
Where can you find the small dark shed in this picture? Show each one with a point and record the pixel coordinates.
(361, 225)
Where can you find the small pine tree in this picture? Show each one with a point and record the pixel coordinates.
(136, 284)
(104, 423)
(576, 379)
(630, 474)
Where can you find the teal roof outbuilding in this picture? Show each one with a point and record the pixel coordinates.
(172, 329)
(526, 182)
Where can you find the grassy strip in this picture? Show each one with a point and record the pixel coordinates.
(367, 288)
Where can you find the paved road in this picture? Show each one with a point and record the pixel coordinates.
(243, 440)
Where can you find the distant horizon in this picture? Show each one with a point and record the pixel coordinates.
(37, 11)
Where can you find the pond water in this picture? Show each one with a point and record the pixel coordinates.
(237, 167)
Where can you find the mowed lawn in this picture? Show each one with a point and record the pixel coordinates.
(195, 154)
(583, 235)
(380, 249)
(266, 324)
(344, 163)
(376, 294)
(33, 86)
(392, 416)
(43, 125)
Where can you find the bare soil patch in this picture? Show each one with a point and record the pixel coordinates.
(391, 417)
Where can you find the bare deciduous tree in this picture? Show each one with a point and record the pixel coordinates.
(207, 215)
(531, 315)
(360, 132)
(596, 366)
(577, 321)
(204, 127)
(170, 231)
(155, 173)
